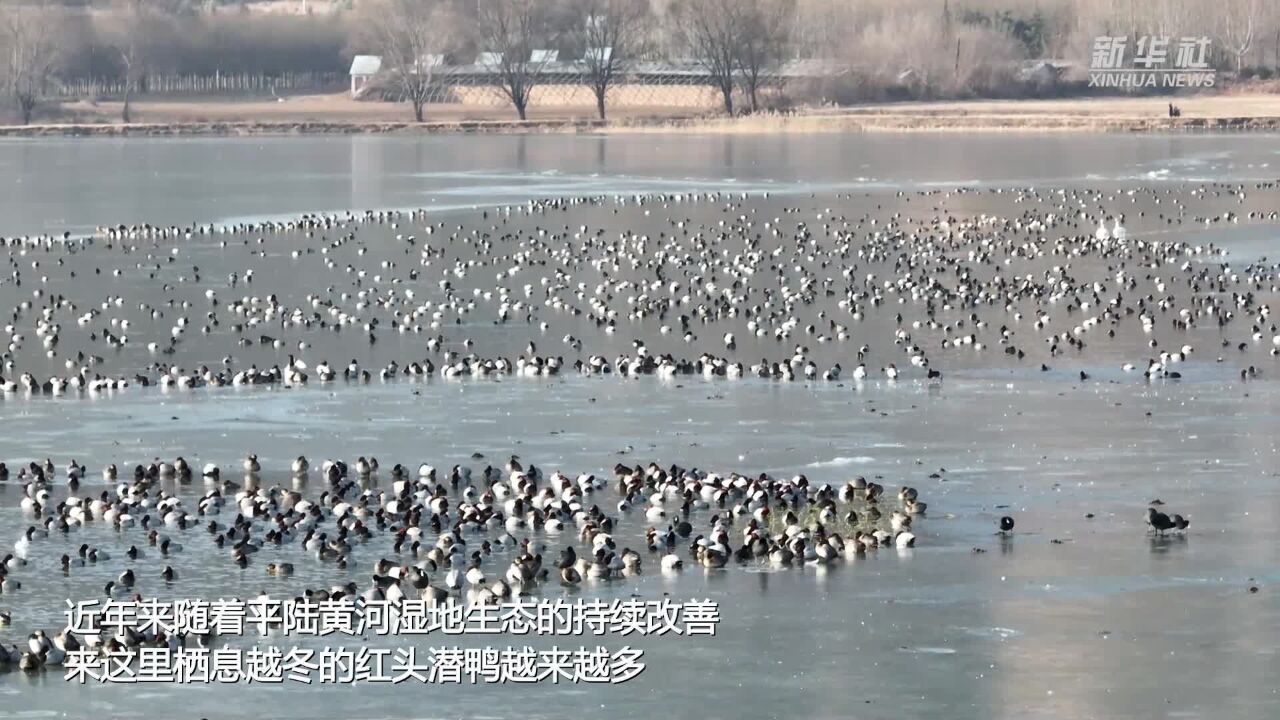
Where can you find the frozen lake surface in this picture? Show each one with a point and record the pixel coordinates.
(56, 185)
(1080, 613)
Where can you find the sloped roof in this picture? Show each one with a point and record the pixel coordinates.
(366, 64)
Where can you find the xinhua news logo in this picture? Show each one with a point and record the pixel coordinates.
(1152, 65)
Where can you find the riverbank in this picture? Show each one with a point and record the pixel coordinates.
(321, 115)
(863, 121)
(199, 129)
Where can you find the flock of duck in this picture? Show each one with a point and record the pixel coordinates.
(441, 535)
(681, 284)
(710, 285)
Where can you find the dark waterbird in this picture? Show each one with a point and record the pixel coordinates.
(1162, 523)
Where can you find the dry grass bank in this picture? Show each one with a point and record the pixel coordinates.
(1254, 111)
(1254, 104)
(481, 105)
(337, 113)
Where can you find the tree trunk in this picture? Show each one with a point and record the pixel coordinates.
(124, 111)
(417, 110)
(28, 106)
(600, 93)
(755, 104)
(728, 99)
(520, 108)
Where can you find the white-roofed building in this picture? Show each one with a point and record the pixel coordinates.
(598, 56)
(543, 57)
(363, 69)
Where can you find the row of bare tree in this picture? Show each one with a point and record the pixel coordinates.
(738, 41)
(942, 48)
(413, 36)
(126, 41)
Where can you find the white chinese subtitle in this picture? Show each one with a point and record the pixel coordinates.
(116, 630)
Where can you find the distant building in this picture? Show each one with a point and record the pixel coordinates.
(544, 57)
(1041, 73)
(598, 56)
(363, 69)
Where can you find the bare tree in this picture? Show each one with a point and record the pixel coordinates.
(509, 31)
(611, 34)
(711, 30)
(1239, 18)
(28, 38)
(413, 36)
(764, 30)
(135, 32)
